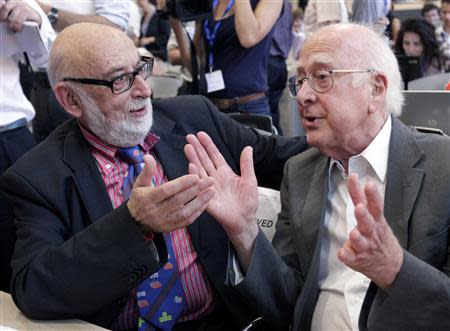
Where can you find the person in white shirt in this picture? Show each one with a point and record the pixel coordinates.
(443, 33)
(361, 241)
(63, 13)
(321, 13)
(15, 109)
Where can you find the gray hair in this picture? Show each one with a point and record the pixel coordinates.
(379, 56)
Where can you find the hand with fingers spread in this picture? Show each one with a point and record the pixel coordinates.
(371, 248)
(173, 205)
(15, 13)
(235, 200)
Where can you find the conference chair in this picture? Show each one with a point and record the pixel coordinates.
(255, 121)
(429, 83)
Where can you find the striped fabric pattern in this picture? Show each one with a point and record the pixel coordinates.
(197, 289)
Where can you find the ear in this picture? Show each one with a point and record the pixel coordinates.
(379, 85)
(68, 99)
(378, 94)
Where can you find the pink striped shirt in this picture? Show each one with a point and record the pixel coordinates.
(197, 289)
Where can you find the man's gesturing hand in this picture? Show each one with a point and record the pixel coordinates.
(173, 205)
(371, 248)
(236, 197)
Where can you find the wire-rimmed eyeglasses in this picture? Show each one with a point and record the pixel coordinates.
(123, 82)
(320, 80)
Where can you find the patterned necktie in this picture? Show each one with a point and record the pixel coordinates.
(135, 159)
(160, 297)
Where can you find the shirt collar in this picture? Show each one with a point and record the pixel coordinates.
(108, 150)
(376, 154)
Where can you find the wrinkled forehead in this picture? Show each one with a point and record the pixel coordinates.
(327, 51)
(318, 52)
(119, 57)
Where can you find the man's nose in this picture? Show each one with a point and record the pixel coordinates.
(305, 94)
(141, 88)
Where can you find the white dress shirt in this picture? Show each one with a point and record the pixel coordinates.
(342, 289)
(118, 12)
(13, 103)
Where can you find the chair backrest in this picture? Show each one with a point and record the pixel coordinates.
(429, 83)
(427, 109)
(269, 205)
(256, 121)
(164, 86)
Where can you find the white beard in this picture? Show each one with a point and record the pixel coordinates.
(125, 133)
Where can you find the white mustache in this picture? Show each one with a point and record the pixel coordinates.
(138, 104)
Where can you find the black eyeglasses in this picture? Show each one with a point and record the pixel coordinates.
(320, 80)
(122, 83)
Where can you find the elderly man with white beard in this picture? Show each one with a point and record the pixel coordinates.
(110, 226)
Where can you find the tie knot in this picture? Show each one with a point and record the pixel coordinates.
(131, 155)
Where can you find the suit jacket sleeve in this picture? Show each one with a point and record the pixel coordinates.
(94, 268)
(418, 210)
(273, 280)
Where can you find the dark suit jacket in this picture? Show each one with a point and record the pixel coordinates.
(417, 207)
(76, 257)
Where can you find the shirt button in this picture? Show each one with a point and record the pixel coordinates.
(355, 300)
(108, 166)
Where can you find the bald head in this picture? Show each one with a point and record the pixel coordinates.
(85, 48)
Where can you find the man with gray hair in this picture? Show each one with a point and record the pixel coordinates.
(363, 234)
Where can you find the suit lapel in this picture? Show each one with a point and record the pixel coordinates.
(403, 183)
(207, 236)
(403, 180)
(313, 217)
(170, 152)
(86, 175)
(313, 211)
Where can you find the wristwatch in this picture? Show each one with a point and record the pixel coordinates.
(53, 15)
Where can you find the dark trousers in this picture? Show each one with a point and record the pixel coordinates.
(13, 144)
(277, 78)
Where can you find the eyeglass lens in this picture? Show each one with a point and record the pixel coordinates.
(124, 82)
(320, 81)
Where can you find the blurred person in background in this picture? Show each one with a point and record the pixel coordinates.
(233, 52)
(174, 58)
(443, 34)
(155, 31)
(15, 110)
(393, 26)
(298, 30)
(432, 14)
(417, 38)
(373, 13)
(320, 13)
(277, 73)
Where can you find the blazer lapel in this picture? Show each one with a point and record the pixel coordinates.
(312, 217)
(403, 180)
(86, 175)
(403, 183)
(206, 235)
(313, 210)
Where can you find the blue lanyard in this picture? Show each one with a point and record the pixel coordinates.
(210, 37)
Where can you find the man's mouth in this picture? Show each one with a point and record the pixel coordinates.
(310, 121)
(139, 111)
